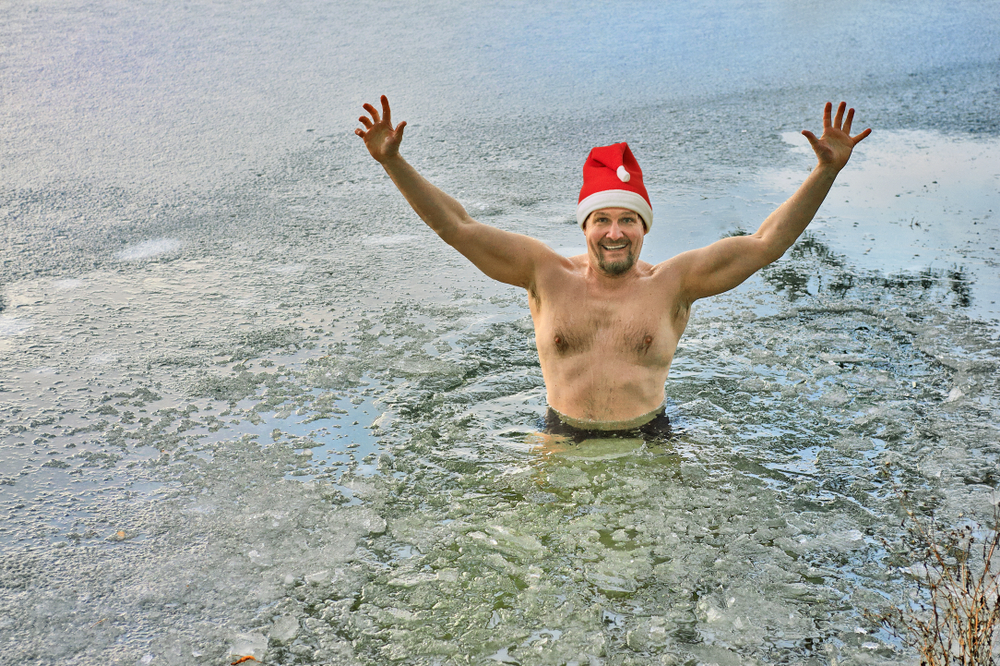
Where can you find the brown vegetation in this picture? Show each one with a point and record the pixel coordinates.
(956, 617)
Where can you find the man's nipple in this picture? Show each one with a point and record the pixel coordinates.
(558, 340)
(648, 341)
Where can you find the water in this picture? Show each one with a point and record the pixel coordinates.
(249, 406)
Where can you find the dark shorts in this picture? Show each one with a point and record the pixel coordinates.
(657, 429)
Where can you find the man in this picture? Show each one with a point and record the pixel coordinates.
(607, 324)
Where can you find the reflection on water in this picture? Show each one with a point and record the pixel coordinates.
(797, 278)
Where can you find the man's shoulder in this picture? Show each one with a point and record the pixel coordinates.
(555, 273)
(667, 269)
(559, 263)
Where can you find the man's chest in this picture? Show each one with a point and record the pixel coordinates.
(633, 325)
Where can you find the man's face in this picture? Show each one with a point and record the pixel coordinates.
(614, 239)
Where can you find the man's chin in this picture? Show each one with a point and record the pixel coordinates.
(617, 267)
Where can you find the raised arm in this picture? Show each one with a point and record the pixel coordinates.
(726, 263)
(502, 255)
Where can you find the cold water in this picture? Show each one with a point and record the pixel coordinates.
(250, 406)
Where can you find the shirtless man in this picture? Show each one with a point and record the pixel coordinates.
(607, 324)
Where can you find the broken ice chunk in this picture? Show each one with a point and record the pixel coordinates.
(248, 645)
(284, 630)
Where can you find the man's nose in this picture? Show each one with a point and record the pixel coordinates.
(615, 232)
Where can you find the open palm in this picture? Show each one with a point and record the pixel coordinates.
(836, 144)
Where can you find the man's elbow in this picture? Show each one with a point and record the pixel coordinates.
(772, 256)
(766, 250)
(454, 230)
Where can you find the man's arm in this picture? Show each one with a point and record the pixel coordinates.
(502, 255)
(726, 263)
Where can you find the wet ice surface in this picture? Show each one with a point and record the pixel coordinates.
(250, 407)
(207, 458)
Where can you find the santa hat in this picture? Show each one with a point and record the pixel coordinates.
(612, 179)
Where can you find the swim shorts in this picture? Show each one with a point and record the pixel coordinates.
(656, 428)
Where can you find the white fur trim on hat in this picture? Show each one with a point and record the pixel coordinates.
(615, 199)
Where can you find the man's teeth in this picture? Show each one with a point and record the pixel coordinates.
(615, 247)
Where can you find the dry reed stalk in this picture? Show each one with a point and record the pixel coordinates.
(957, 620)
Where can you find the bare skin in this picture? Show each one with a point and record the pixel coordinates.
(606, 323)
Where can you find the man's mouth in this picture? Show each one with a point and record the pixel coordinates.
(616, 246)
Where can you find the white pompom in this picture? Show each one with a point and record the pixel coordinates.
(623, 175)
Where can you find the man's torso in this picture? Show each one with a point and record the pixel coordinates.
(605, 346)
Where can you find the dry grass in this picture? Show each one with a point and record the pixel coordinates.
(955, 618)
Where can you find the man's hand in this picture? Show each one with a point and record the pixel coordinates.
(379, 136)
(728, 262)
(835, 146)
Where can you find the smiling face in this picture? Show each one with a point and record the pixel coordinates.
(614, 239)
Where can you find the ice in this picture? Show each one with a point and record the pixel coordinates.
(12, 326)
(305, 308)
(289, 269)
(103, 358)
(568, 477)
(509, 542)
(391, 241)
(67, 284)
(248, 645)
(149, 249)
(412, 579)
(284, 630)
(372, 523)
(611, 585)
(650, 634)
(954, 394)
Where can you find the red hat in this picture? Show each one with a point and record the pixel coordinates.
(612, 179)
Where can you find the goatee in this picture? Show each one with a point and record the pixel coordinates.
(616, 267)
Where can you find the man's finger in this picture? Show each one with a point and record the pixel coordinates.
(839, 120)
(399, 130)
(364, 121)
(386, 113)
(826, 114)
(862, 135)
(848, 121)
(371, 109)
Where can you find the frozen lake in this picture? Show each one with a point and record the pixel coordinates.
(249, 405)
